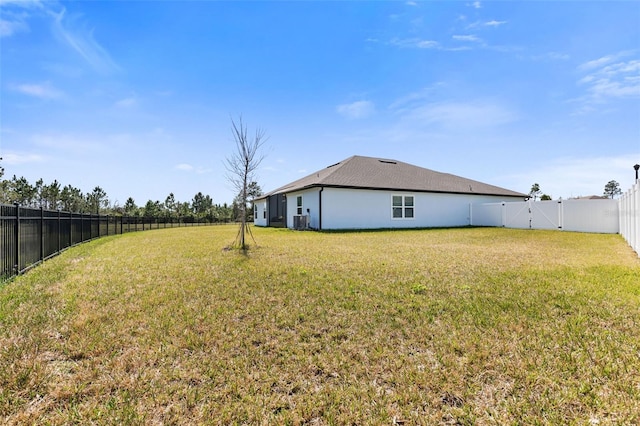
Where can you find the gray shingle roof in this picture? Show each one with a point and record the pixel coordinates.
(383, 174)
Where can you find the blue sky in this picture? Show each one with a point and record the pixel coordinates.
(137, 97)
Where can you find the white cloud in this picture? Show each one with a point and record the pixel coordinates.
(415, 98)
(550, 56)
(66, 142)
(494, 23)
(13, 158)
(129, 102)
(427, 44)
(607, 59)
(83, 42)
(192, 169)
(42, 90)
(14, 15)
(480, 24)
(418, 43)
(27, 4)
(415, 43)
(460, 115)
(471, 38)
(476, 5)
(606, 80)
(574, 176)
(9, 27)
(184, 167)
(355, 110)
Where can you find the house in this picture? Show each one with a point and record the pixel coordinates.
(374, 193)
(592, 197)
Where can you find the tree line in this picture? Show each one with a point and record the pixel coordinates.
(55, 196)
(611, 190)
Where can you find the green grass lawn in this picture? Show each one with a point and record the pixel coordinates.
(452, 326)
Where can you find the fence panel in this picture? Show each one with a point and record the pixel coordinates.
(516, 215)
(8, 241)
(51, 233)
(65, 230)
(545, 215)
(600, 216)
(630, 217)
(29, 236)
(489, 214)
(76, 229)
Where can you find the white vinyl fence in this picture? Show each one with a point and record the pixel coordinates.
(630, 217)
(600, 216)
(603, 216)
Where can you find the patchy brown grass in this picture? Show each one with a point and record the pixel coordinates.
(457, 326)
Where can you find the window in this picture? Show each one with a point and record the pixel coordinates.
(264, 213)
(402, 207)
(255, 212)
(299, 204)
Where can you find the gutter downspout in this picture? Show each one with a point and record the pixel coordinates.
(320, 208)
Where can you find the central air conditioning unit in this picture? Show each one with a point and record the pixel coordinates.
(300, 222)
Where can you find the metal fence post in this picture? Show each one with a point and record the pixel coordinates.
(17, 258)
(59, 233)
(41, 234)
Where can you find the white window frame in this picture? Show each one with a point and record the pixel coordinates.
(299, 205)
(408, 205)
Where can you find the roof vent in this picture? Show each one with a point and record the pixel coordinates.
(333, 165)
(387, 161)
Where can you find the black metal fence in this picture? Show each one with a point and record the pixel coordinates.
(30, 236)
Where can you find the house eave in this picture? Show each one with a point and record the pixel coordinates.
(423, 191)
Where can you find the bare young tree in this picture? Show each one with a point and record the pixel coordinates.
(241, 167)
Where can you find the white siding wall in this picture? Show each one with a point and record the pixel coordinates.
(369, 209)
(261, 206)
(310, 201)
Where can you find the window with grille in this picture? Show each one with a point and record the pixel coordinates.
(402, 207)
